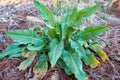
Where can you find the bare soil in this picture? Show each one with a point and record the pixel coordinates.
(12, 18)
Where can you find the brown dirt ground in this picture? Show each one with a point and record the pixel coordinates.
(12, 19)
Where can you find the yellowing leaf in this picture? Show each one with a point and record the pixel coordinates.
(40, 71)
(94, 61)
(99, 51)
(41, 67)
(26, 62)
(28, 54)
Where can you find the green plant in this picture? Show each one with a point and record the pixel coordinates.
(59, 42)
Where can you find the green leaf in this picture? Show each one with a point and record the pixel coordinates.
(15, 55)
(75, 18)
(74, 64)
(46, 14)
(99, 51)
(64, 66)
(88, 11)
(41, 67)
(91, 32)
(56, 48)
(51, 33)
(85, 54)
(78, 47)
(66, 29)
(11, 50)
(34, 48)
(25, 36)
(65, 22)
(69, 31)
(26, 63)
(65, 19)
